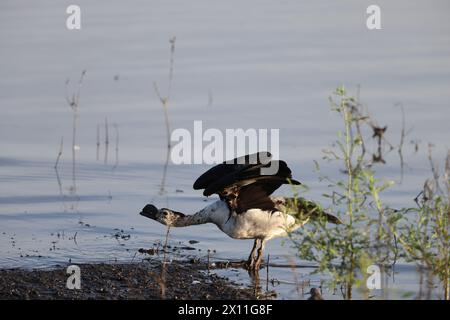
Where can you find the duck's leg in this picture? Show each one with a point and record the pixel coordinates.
(260, 254)
(253, 254)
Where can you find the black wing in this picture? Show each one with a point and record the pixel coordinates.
(229, 167)
(242, 184)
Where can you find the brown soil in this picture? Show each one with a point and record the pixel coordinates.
(120, 281)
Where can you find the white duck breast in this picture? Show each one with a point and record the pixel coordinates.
(254, 223)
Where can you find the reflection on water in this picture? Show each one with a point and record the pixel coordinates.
(267, 65)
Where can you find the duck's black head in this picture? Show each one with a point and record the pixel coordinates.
(165, 216)
(150, 211)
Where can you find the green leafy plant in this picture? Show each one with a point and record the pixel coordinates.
(425, 236)
(364, 238)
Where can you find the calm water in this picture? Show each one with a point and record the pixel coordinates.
(255, 65)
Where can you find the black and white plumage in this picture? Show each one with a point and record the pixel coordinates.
(246, 209)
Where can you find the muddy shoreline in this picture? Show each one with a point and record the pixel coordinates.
(135, 281)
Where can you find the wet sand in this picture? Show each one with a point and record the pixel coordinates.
(121, 281)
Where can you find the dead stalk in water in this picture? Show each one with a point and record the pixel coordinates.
(165, 104)
(58, 179)
(106, 140)
(98, 142)
(402, 141)
(58, 157)
(73, 102)
(116, 129)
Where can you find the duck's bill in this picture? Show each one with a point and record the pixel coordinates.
(149, 211)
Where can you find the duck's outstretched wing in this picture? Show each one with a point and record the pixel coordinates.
(242, 183)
